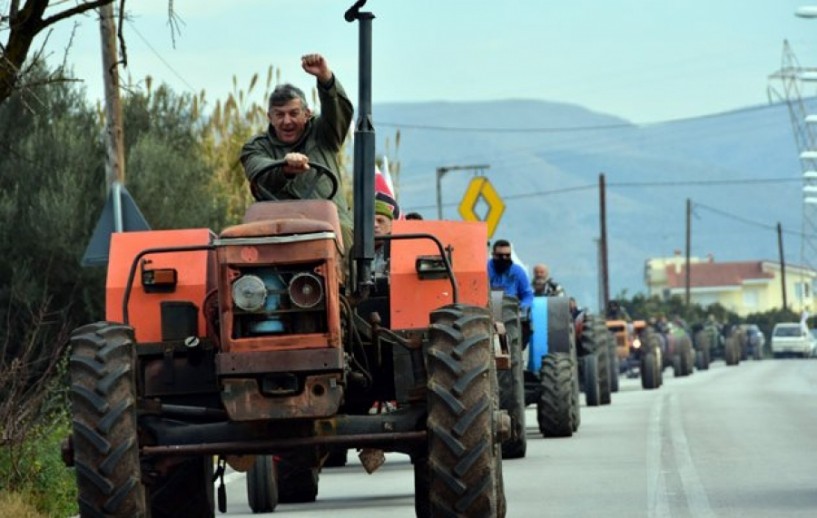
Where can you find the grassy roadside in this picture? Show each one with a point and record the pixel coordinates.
(34, 482)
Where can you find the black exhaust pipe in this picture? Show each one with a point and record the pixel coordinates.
(364, 158)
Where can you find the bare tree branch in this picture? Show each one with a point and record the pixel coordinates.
(79, 9)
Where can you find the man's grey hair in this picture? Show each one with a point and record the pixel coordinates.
(285, 93)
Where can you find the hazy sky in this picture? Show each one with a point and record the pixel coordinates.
(643, 60)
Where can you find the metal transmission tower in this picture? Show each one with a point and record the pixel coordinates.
(792, 77)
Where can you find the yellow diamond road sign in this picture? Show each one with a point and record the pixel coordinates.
(481, 188)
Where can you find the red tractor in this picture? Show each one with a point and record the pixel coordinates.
(254, 348)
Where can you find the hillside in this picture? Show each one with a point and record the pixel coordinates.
(537, 155)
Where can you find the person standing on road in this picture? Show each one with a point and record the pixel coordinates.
(296, 138)
(504, 274)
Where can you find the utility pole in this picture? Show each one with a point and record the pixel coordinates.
(115, 165)
(782, 264)
(605, 277)
(689, 234)
(441, 171)
(120, 213)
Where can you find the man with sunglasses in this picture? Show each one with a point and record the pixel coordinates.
(504, 274)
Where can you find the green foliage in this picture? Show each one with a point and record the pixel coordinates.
(167, 170)
(51, 187)
(34, 469)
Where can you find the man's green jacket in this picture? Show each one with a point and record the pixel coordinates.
(322, 141)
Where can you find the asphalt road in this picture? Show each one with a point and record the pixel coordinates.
(732, 441)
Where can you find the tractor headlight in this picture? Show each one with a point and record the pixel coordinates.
(636, 343)
(249, 293)
(305, 290)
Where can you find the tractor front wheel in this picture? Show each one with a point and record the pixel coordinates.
(262, 485)
(103, 396)
(463, 444)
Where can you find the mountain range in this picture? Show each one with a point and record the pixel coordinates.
(740, 169)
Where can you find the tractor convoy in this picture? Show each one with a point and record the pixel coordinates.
(265, 349)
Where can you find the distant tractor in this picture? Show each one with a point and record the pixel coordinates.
(552, 374)
(639, 351)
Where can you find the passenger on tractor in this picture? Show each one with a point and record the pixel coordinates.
(385, 211)
(575, 310)
(297, 138)
(615, 311)
(543, 285)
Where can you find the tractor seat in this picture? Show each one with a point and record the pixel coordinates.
(276, 218)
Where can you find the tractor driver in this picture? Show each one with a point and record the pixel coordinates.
(504, 274)
(296, 137)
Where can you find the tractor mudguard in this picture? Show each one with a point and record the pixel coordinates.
(539, 335)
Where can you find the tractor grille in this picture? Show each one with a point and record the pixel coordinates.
(293, 301)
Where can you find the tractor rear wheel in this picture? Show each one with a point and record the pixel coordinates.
(687, 355)
(512, 383)
(649, 372)
(297, 476)
(262, 485)
(105, 440)
(603, 360)
(590, 373)
(185, 490)
(555, 408)
(463, 445)
(730, 352)
(575, 404)
(615, 362)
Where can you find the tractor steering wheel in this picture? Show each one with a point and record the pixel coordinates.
(262, 194)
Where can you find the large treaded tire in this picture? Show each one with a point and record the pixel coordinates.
(512, 383)
(463, 448)
(262, 485)
(615, 363)
(687, 355)
(103, 396)
(605, 388)
(186, 490)
(554, 410)
(731, 353)
(575, 403)
(590, 381)
(649, 372)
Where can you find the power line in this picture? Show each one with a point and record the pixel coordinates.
(156, 53)
(746, 221)
(566, 129)
(734, 181)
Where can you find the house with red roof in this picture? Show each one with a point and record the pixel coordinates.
(742, 286)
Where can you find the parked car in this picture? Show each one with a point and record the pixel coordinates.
(792, 338)
(814, 339)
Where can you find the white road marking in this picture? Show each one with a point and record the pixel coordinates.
(657, 502)
(693, 488)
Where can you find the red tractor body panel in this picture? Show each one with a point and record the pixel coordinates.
(414, 297)
(195, 276)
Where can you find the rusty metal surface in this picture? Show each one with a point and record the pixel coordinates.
(259, 362)
(402, 441)
(243, 400)
(177, 376)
